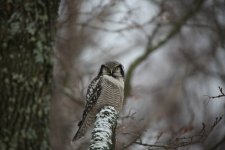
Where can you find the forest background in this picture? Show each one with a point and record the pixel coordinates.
(174, 56)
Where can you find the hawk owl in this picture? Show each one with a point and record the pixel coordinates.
(107, 88)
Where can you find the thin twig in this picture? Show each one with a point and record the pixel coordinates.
(218, 96)
(185, 141)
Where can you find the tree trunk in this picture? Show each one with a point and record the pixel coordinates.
(25, 74)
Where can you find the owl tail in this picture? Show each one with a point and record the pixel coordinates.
(80, 131)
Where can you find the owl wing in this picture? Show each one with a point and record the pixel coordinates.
(93, 93)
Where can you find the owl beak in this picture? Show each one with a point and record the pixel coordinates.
(111, 72)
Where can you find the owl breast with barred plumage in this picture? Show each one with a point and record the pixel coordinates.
(112, 93)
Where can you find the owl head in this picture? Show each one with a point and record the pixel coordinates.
(112, 68)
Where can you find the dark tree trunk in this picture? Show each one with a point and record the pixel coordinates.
(26, 73)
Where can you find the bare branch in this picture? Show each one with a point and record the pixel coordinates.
(185, 141)
(150, 48)
(218, 96)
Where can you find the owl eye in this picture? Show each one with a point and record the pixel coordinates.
(117, 68)
(105, 71)
(118, 71)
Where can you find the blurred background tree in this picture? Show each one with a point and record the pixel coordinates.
(173, 53)
(26, 73)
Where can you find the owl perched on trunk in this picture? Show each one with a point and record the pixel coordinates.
(106, 89)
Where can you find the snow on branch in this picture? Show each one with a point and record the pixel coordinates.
(103, 134)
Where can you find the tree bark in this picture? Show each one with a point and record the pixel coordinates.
(103, 134)
(25, 74)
